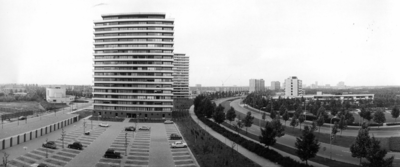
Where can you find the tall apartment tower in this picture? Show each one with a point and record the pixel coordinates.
(293, 87)
(275, 85)
(181, 76)
(133, 61)
(256, 85)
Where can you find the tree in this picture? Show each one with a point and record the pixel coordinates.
(263, 116)
(5, 159)
(219, 115)
(208, 108)
(307, 145)
(231, 115)
(294, 121)
(248, 120)
(272, 130)
(314, 126)
(376, 155)
(334, 111)
(320, 122)
(342, 124)
(285, 117)
(368, 115)
(359, 147)
(282, 109)
(334, 130)
(302, 118)
(395, 113)
(298, 111)
(272, 114)
(363, 112)
(379, 117)
(239, 125)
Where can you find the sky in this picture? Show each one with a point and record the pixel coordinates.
(228, 41)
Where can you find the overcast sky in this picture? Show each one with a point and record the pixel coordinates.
(228, 41)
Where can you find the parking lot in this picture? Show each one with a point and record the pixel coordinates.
(140, 148)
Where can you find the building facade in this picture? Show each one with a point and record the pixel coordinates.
(181, 76)
(275, 85)
(57, 94)
(293, 87)
(256, 85)
(133, 61)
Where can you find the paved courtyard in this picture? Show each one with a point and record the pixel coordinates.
(140, 148)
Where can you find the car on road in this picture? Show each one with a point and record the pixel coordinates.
(50, 144)
(130, 128)
(110, 153)
(22, 118)
(87, 133)
(178, 144)
(144, 128)
(104, 125)
(168, 122)
(76, 145)
(39, 165)
(175, 136)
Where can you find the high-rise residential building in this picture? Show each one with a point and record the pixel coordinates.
(133, 61)
(341, 85)
(256, 85)
(293, 87)
(275, 85)
(181, 76)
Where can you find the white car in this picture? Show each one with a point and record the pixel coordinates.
(144, 128)
(178, 144)
(168, 122)
(104, 125)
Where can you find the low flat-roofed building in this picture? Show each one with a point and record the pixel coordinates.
(57, 94)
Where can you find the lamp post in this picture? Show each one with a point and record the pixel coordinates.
(330, 137)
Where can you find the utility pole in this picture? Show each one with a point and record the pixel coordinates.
(47, 149)
(126, 143)
(84, 126)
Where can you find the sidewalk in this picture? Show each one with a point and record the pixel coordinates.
(252, 156)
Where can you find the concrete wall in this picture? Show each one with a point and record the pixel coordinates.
(24, 137)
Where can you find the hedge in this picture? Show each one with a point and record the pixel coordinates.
(392, 123)
(257, 148)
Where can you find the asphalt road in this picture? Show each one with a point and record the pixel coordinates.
(339, 153)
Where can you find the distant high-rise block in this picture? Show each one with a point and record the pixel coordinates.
(293, 87)
(133, 61)
(181, 76)
(256, 85)
(275, 85)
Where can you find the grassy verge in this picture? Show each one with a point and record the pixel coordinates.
(343, 141)
(317, 159)
(208, 151)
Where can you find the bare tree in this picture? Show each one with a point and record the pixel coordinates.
(5, 159)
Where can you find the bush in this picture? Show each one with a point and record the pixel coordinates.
(392, 123)
(258, 149)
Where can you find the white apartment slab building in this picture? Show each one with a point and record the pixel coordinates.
(133, 61)
(57, 94)
(181, 76)
(256, 85)
(293, 87)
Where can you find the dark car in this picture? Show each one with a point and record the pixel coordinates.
(76, 145)
(87, 133)
(110, 153)
(130, 128)
(175, 137)
(50, 144)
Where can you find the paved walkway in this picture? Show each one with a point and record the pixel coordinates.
(252, 156)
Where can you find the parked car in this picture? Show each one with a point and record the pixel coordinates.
(87, 133)
(104, 125)
(22, 117)
(175, 137)
(168, 122)
(130, 128)
(39, 165)
(50, 144)
(178, 144)
(110, 153)
(76, 145)
(144, 128)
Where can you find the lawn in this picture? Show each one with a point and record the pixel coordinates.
(208, 151)
(11, 107)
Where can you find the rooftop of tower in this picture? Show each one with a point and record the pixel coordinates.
(135, 14)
